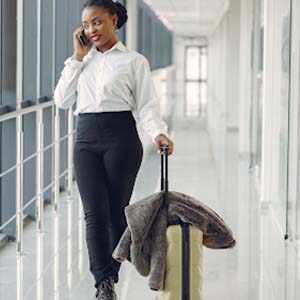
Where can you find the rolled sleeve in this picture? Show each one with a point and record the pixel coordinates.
(65, 90)
(147, 102)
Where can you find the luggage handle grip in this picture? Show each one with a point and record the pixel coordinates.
(164, 168)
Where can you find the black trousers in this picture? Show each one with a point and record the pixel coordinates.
(107, 156)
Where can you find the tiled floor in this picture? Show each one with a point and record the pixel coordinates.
(236, 274)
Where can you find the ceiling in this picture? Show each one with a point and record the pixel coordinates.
(190, 17)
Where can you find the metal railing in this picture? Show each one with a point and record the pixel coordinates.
(38, 156)
(40, 190)
(38, 109)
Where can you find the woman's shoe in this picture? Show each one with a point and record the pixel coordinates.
(106, 289)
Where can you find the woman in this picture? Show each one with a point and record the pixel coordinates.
(110, 81)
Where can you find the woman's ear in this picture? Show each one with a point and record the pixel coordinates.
(115, 20)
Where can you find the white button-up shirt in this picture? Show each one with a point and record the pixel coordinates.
(115, 80)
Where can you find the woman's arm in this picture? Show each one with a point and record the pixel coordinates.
(64, 94)
(147, 103)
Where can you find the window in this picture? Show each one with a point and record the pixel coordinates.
(195, 80)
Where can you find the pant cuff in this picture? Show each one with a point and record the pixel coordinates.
(111, 269)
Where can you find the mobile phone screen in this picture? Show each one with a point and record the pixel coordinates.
(83, 38)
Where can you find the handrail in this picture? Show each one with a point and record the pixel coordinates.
(24, 111)
(38, 154)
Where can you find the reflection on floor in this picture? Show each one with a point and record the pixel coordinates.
(236, 274)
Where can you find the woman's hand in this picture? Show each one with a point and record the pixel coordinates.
(162, 139)
(80, 51)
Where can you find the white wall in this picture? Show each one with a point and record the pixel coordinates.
(245, 82)
(224, 73)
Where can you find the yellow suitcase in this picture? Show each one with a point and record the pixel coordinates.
(184, 271)
(183, 278)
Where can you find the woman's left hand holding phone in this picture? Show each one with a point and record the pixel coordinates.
(80, 50)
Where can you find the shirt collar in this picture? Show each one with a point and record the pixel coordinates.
(118, 45)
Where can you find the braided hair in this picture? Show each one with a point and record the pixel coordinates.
(112, 7)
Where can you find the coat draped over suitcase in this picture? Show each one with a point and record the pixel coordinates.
(143, 242)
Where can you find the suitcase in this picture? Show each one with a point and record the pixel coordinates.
(184, 272)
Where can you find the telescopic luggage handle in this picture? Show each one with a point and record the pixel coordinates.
(164, 172)
(164, 167)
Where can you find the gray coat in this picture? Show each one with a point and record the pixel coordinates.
(143, 242)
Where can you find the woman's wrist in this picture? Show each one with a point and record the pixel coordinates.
(163, 139)
(77, 57)
(159, 136)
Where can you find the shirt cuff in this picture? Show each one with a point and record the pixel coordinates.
(74, 63)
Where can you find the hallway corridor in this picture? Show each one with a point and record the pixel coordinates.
(230, 274)
(225, 76)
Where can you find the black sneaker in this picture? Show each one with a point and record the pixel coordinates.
(106, 290)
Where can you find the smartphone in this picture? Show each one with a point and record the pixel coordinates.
(83, 38)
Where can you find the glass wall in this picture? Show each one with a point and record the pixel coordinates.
(154, 40)
(270, 100)
(122, 32)
(283, 99)
(8, 102)
(280, 76)
(257, 87)
(47, 41)
(269, 121)
(294, 174)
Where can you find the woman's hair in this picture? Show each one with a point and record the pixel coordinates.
(112, 7)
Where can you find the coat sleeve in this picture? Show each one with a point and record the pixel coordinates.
(65, 90)
(158, 251)
(147, 102)
(122, 250)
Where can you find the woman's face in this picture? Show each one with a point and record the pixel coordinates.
(98, 22)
